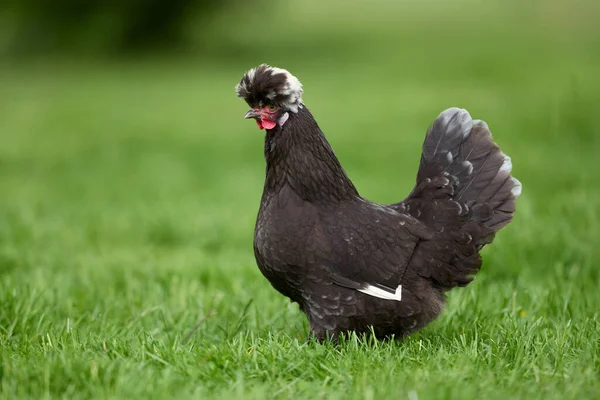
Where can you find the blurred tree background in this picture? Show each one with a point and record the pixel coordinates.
(102, 27)
(75, 28)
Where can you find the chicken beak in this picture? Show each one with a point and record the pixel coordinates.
(252, 114)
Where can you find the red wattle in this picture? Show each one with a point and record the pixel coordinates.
(267, 123)
(260, 125)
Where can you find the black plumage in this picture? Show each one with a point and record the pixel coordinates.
(352, 264)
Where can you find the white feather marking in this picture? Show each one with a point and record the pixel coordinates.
(293, 84)
(449, 157)
(382, 294)
(481, 124)
(292, 88)
(250, 74)
(242, 85)
(506, 165)
(454, 115)
(517, 187)
(463, 119)
(466, 123)
(459, 207)
(469, 167)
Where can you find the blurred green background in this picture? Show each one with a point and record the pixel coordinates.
(129, 186)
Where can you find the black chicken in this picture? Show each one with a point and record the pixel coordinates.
(354, 265)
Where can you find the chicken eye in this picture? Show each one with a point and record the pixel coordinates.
(271, 107)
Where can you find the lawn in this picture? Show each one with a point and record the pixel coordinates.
(129, 191)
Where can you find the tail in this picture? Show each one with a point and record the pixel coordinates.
(464, 192)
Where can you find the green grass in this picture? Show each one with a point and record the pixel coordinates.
(128, 193)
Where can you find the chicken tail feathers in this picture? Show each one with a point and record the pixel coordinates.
(461, 150)
(464, 192)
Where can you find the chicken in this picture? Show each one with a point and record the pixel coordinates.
(355, 265)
